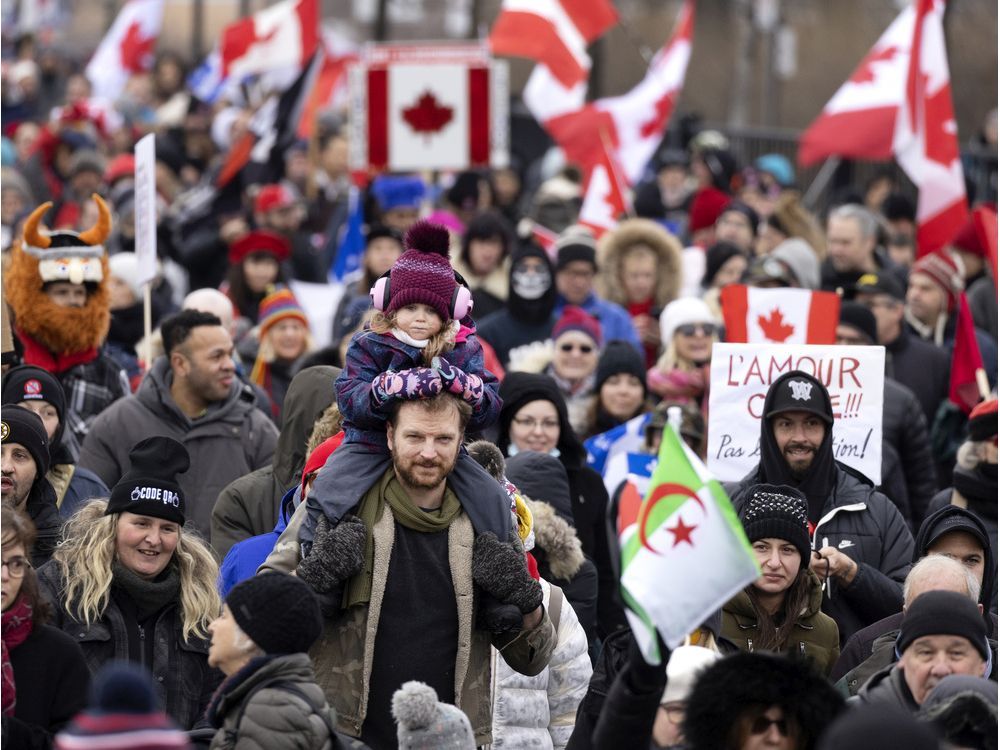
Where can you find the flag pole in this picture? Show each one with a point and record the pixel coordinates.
(820, 181)
(147, 323)
(983, 383)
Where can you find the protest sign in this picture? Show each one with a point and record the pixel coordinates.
(741, 375)
(145, 207)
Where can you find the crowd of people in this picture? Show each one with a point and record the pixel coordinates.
(239, 531)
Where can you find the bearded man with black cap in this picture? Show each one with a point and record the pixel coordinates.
(861, 547)
(23, 485)
(127, 582)
(528, 315)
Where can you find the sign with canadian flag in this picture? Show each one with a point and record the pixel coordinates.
(779, 316)
(741, 375)
(416, 107)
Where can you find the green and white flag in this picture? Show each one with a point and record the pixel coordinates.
(684, 553)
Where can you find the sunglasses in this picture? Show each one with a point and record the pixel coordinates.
(690, 329)
(762, 723)
(583, 348)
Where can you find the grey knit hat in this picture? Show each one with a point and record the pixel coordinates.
(426, 724)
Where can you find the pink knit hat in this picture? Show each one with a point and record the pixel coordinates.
(423, 274)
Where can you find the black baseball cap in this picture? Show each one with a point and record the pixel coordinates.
(882, 282)
(798, 391)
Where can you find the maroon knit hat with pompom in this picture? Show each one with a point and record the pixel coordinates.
(423, 274)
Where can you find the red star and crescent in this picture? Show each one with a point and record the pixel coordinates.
(681, 532)
(662, 492)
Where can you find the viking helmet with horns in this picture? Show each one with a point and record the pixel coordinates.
(66, 255)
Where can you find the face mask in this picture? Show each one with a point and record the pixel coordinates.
(530, 285)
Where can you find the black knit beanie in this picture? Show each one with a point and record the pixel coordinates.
(277, 611)
(944, 613)
(620, 357)
(778, 512)
(859, 317)
(24, 427)
(149, 487)
(716, 257)
(30, 383)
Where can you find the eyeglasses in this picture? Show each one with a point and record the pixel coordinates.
(675, 713)
(583, 348)
(762, 723)
(16, 566)
(529, 423)
(690, 329)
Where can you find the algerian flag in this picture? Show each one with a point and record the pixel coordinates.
(684, 553)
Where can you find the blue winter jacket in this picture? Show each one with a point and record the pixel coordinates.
(243, 558)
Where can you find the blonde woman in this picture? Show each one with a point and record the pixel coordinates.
(128, 583)
(681, 375)
(285, 340)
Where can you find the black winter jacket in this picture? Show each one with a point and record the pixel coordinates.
(906, 429)
(922, 367)
(184, 680)
(52, 682)
(866, 526)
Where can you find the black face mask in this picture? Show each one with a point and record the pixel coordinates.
(532, 295)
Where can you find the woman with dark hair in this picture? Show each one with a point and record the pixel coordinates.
(255, 270)
(534, 418)
(45, 678)
(780, 611)
(484, 261)
(129, 583)
(620, 389)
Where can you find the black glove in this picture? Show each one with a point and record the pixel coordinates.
(500, 569)
(643, 677)
(337, 554)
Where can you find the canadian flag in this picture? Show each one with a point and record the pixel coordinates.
(966, 361)
(898, 103)
(633, 123)
(605, 197)
(755, 315)
(126, 49)
(553, 32)
(284, 35)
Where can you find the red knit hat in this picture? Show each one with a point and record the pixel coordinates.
(706, 208)
(271, 197)
(317, 459)
(121, 166)
(983, 421)
(423, 274)
(261, 241)
(968, 239)
(942, 270)
(577, 319)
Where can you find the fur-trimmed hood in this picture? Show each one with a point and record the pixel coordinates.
(557, 539)
(740, 681)
(964, 711)
(611, 252)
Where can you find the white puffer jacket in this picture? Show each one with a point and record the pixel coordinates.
(539, 712)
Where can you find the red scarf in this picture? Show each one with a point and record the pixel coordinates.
(636, 309)
(54, 362)
(16, 624)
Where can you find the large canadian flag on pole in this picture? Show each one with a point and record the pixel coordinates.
(553, 32)
(634, 123)
(126, 49)
(779, 316)
(605, 194)
(898, 103)
(283, 35)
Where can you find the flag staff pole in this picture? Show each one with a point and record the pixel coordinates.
(983, 383)
(820, 181)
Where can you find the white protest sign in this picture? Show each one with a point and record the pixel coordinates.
(145, 207)
(741, 375)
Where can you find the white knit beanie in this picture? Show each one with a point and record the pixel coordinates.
(681, 312)
(126, 267)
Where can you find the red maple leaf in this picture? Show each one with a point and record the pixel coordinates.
(681, 532)
(136, 49)
(654, 125)
(427, 116)
(865, 72)
(774, 326)
(237, 40)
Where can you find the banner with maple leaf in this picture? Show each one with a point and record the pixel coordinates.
(741, 374)
(683, 549)
(779, 316)
(126, 49)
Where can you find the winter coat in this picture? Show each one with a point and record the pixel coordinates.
(41, 509)
(904, 427)
(611, 254)
(887, 687)
(864, 525)
(505, 333)
(540, 711)
(232, 439)
(814, 637)
(52, 681)
(371, 354)
(273, 717)
(244, 557)
(981, 293)
(344, 652)
(920, 366)
(615, 321)
(249, 505)
(489, 293)
(183, 679)
(76, 487)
